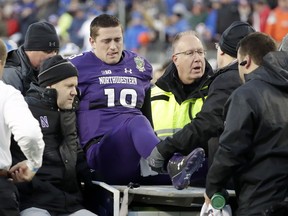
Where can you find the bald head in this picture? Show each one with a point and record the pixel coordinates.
(178, 38)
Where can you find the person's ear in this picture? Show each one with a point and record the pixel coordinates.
(249, 62)
(174, 58)
(91, 40)
(246, 62)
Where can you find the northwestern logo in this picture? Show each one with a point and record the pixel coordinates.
(128, 70)
(52, 44)
(44, 121)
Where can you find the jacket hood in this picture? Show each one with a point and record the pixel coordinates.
(275, 71)
(170, 82)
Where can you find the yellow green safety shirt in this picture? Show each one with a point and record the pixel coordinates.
(170, 116)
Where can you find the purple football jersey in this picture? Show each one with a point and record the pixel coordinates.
(110, 94)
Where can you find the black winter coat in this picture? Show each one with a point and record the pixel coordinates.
(55, 186)
(18, 71)
(254, 146)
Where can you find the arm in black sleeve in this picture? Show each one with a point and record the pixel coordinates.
(235, 144)
(13, 77)
(146, 108)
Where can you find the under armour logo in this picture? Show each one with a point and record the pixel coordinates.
(128, 71)
(52, 44)
(180, 164)
(44, 121)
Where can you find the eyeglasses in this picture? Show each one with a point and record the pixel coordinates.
(243, 63)
(192, 52)
(217, 45)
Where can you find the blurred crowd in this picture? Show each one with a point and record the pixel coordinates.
(149, 24)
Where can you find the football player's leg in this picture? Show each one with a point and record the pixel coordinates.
(143, 135)
(115, 157)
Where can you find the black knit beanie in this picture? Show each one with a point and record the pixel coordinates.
(55, 69)
(41, 36)
(232, 35)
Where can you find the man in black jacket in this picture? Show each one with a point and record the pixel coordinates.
(208, 123)
(253, 147)
(56, 186)
(22, 64)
